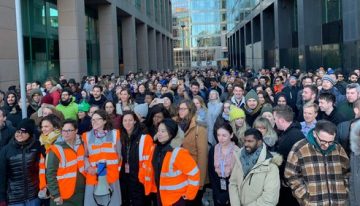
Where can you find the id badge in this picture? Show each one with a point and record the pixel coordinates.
(222, 184)
(127, 168)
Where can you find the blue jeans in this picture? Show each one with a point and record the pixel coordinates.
(33, 202)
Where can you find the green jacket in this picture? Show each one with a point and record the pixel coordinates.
(70, 111)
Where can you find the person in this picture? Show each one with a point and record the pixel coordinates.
(291, 133)
(110, 109)
(214, 105)
(84, 120)
(291, 92)
(195, 141)
(156, 115)
(171, 171)
(328, 109)
(221, 162)
(267, 112)
(309, 95)
(6, 129)
(135, 150)
(238, 123)
(354, 181)
(35, 99)
(352, 94)
(50, 131)
(19, 171)
(255, 178)
(52, 91)
(99, 139)
(201, 109)
(327, 86)
(125, 102)
(252, 107)
(97, 98)
(238, 98)
(326, 183)
(67, 105)
(12, 108)
(65, 189)
(269, 135)
(168, 103)
(310, 112)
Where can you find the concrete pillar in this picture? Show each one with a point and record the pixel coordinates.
(129, 44)
(165, 53)
(142, 47)
(169, 52)
(152, 49)
(159, 50)
(108, 34)
(72, 38)
(9, 66)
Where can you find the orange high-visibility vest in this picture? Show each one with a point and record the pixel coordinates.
(42, 169)
(70, 162)
(145, 145)
(180, 177)
(103, 152)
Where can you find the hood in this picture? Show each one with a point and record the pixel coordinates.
(276, 159)
(311, 139)
(355, 138)
(177, 140)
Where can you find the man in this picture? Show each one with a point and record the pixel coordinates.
(328, 110)
(214, 86)
(353, 77)
(340, 84)
(37, 85)
(35, 100)
(306, 81)
(252, 107)
(238, 98)
(354, 180)
(52, 91)
(291, 93)
(352, 94)
(327, 86)
(6, 129)
(310, 112)
(255, 178)
(317, 168)
(309, 94)
(195, 90)
(291, 133)
(67, 105)
(97, 98)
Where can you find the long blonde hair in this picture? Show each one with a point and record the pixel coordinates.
(201, 100)
(239, 132)
(270, 136)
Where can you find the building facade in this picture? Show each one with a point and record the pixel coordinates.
(85, 37)
(303, 34)
(199, 31)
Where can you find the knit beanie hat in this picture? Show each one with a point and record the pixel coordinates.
(235, 113)
(27, 125)
(251, 95)
(329, 78)
(171, 126)
(35, 91)
(141, 110)
(266, 108)
(168, 95)
(83, 107)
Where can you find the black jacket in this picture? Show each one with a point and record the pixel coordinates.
(99, 102)
(84, 125)
(6, 133)
(19, 171)
(285, 142)
(336, 116)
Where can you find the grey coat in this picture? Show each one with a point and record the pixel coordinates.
(354, 180)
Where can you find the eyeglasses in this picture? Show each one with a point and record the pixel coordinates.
(324, 142)
(96, 119)
(67, 130)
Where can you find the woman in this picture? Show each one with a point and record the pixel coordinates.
(214, 105)
(110, 107)
(140, 95)
(102, 138)
(45, 110)
(136, 147)
(278, 86)
(67, 148)
(50, 131)
(19, 171)
(280, 99)
(238, 123)
(267, 112)
(195, 141)
(264, 98)
(168, 104)
(269, 135)
(156, 115)
(166, 160)
(270, 94)
(221, 162)
(84, 120)
(201, 109)
(125, 102)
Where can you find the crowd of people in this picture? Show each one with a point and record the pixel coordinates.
(271, 137)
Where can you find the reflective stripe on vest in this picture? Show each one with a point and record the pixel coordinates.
(62, 162)
(42, 171)
(68, 175)
(171, 172)
(141, 148)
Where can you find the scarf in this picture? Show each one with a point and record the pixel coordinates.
(184, 125)
(225, 116)
(100, 134)
(248, 160)
(48, 140)
(65, 103)
(228, 160)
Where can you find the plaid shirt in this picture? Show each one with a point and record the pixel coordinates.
(317, 179)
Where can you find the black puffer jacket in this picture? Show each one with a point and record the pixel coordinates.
(6, 132)
(19, 171)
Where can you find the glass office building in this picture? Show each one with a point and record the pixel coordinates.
(199, 28)
(85, 37)
(295, 34)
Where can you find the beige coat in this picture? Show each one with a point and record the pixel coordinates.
(198, 147)
(261, 186)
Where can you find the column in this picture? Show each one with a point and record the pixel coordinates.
(165, 53)
(72, 38)
(142, 47)
(171, 54)
(108, 35)
(160, 65)
(152, 49)
(9, 66)
(129, 44)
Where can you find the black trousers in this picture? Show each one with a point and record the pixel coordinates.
(197, 201)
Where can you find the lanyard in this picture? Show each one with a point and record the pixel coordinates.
(222, 161)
